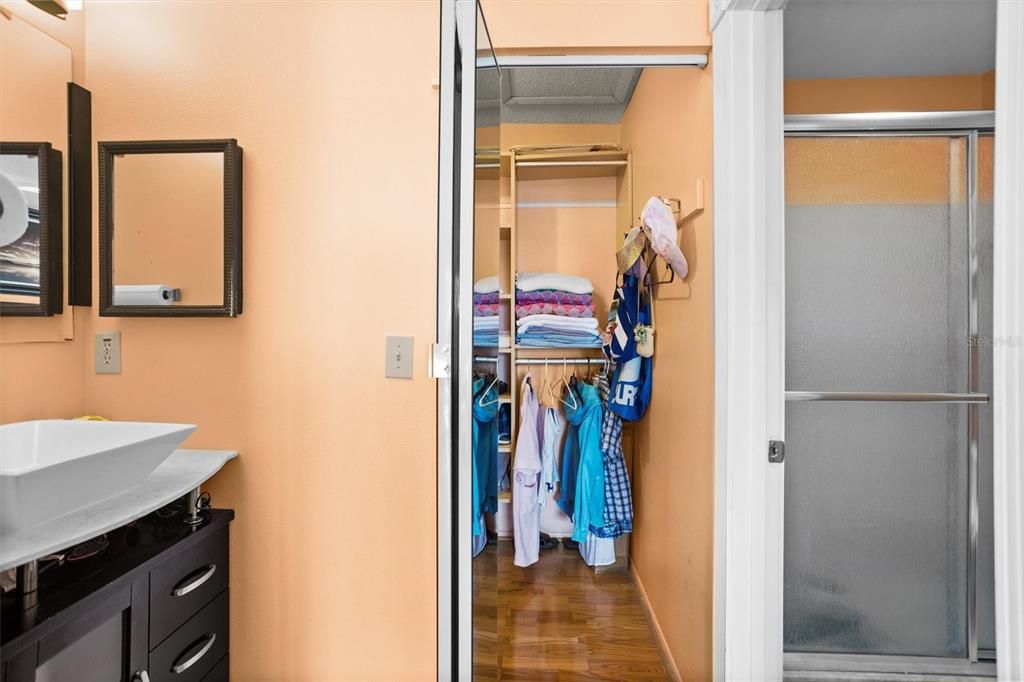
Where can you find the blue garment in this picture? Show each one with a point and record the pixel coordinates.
(485, 452)
(570, 470)
(631, 383)
(618, 497)
(583, 450)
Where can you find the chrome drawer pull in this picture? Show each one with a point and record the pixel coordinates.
(178, 668)
(188, 583)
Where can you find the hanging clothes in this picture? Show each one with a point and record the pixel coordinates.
(570, 470)
(631, 383)
(485, 452)
(583, 443)
(526, 469)
(597, 551)
(554, 424)
(618, 497)
(480, 540)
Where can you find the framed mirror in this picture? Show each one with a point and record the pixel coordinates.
(170, 228)
(31, 230)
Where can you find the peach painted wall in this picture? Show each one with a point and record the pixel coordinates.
(988, 90)
(333, 550)
(70, 31)
(574, 241)
(668, 127)
(41, 373)
(911, 93)
(566, 25)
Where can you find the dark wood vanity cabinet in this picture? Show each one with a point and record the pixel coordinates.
(152, 607)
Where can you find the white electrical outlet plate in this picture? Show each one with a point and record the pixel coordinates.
(398, 357)
(108, 353)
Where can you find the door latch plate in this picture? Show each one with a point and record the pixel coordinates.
(776, 451)
(440, 361)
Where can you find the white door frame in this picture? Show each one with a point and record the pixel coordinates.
(750, 336)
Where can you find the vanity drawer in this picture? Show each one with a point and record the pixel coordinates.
(219, 672)
(196, 648)
(185, 583)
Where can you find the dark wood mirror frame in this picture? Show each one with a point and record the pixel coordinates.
(232, 305)
(51, 231)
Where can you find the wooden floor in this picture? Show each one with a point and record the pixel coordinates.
(558, 620)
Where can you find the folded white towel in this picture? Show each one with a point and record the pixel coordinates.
(558, 321)
(485, 322)
(537, 281)
(488, 285)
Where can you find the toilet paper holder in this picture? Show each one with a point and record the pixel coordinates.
(146, 294)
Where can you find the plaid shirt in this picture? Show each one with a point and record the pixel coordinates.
(618, 499)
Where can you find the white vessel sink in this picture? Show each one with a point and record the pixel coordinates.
(54, 467)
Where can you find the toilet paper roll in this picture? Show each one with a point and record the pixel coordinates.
(13, 212)
(144, 294)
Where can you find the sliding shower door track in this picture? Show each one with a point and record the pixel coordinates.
(807, 667)
(893, 397)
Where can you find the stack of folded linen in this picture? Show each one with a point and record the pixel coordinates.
(485, 312)
(555, 310)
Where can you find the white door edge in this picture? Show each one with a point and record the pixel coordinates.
(445, 180)
(749, 341)
(1008, 341)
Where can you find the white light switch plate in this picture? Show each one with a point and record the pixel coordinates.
(108, 353)
(398, 357)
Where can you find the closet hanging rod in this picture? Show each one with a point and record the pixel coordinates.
(561, 361)
(569, 163)
(486, 359)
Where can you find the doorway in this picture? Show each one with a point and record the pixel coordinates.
(551, 192)
(750, 345)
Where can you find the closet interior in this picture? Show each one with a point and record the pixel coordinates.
(568, 261)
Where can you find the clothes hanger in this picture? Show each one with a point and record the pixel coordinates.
(574, 404)
(483, 394)
(647, 281)
(544, 387)
(555, 398)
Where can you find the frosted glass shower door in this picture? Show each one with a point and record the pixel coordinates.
(877, 480)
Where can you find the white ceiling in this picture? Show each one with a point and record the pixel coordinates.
(865, 38)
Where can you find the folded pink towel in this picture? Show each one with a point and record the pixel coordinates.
(485, 309)
(486, 298)
(565, 310)
(551, 296)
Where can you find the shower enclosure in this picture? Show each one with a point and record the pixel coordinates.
(888, 493)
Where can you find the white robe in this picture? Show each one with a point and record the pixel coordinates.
(526, 468)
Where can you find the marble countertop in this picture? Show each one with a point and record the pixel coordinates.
(179, 473)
